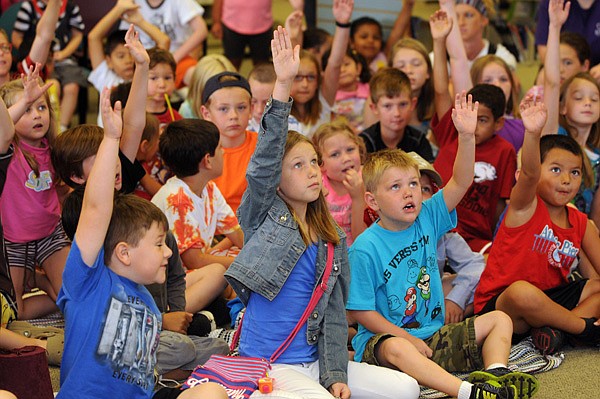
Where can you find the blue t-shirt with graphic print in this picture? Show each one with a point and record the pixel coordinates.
(111, 332)
(395, 273)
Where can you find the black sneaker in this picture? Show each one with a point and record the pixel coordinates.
(492, 390)
(525, 384)
(547, 339)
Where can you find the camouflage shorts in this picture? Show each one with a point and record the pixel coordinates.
(454, 347)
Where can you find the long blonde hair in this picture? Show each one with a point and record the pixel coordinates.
(207, 67)
(318, 218)
(9, 93)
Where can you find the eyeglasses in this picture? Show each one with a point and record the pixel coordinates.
(309, 78)
(6, 47)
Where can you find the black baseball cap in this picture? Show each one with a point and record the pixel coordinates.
(216, 83)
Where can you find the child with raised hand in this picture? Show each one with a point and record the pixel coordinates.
(105, 288)
(574, 110)
(396, 293)
(353, 90)
(313, 92)
(342, 153)
(29, 206)
(284, 199)
(495, 163)
(538, 243)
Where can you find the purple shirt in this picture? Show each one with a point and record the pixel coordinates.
(513, 131)
(584, 22)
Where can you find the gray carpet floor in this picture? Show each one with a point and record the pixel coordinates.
(578, 377)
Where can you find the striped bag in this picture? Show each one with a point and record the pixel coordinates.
(239, 375)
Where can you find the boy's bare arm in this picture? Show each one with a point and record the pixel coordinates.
(342, 12)
(376, 323)
(135, 17)
(286, 61)
(97, 204)
(591, 246)
(401, 26)
(103, 27)
(464, 116)
(459, 63)
(7, 128)
(134, 116)
(558, 13)
(236, 237)
(523, 196)
(199, 33)
(440, 25)
(44, 33)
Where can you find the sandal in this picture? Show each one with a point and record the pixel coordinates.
(54, 337)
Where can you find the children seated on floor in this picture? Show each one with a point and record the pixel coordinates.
(396, 291)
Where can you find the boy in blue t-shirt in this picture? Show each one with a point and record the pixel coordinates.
(112, 322)
(396, 292)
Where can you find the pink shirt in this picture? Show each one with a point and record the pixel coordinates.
(340, 207)
(247, 17)
(29, 204)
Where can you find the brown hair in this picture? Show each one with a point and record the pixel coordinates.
(9, 92)
(593, 139)
(338, 126)
(152, 127)
(161, 56)
(263, 73)
(318, 217)
(389, 82)
(207, 67)
(72, 147)
(512, 103)
(378, 162)
(425, 104)
(313, 106)
(131, 218)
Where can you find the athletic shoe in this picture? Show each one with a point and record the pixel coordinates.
(492, 390)
(547, 339)
(525, 384)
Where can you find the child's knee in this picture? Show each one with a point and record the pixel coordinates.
(394, 350)
(521, 294)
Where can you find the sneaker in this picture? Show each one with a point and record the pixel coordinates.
(547, 339)
(525, 384)
(492, 390)
(202, 324)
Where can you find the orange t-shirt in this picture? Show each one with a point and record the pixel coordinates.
(232, 182)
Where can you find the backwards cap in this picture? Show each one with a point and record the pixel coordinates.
(427, 168)
(213, 84)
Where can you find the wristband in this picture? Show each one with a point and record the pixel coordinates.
(341, 25)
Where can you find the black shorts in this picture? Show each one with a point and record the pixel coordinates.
(235, 43)
(566, 295)
(167, 393)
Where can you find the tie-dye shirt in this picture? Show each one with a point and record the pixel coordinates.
(195, 220)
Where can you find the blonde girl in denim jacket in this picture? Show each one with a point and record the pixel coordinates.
(287, 229)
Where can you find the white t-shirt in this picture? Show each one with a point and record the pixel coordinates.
(171, 17)
(308, 129)
(501, 52)
(102, 77)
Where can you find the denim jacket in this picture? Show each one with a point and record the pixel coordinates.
(273, 245)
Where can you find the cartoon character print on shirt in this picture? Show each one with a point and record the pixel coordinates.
(409, 319)
(129, 340)
(423, 281)
(418, 296)
(560, 255)
(41, 183)
(484, 172)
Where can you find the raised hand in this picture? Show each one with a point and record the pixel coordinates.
(534, 114)
(111, 118)
(127, 5)
(464, 114)
(558, 12)
(31, 85)
(297, 5)
(293, 24)
(342, 10)
(135, 47)
(133, 17)
(286, 59)
(440, 25)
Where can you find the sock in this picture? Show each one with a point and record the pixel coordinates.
(496, 366)
(464, 391)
